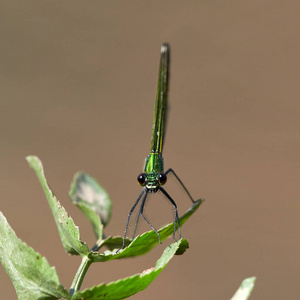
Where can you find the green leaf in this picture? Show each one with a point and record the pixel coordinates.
(144, 242)
(68, 231)
(113, 242)
(94, 219)
(86, 192)
(31, 274)
(245, 289)
(129, 286)
(182, 248)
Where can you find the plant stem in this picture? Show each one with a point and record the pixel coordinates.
(79, 276)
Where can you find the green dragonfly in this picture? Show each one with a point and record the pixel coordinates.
(153, 176)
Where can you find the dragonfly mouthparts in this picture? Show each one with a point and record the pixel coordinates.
(152, 188)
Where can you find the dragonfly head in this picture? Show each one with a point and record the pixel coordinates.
(152, 180)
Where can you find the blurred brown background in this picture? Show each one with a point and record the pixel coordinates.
(78, 85)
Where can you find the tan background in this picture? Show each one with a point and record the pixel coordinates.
(78, 83)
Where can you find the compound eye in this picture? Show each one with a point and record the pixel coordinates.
(162, 178)
(141, 179)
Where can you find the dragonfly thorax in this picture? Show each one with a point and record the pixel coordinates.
(154, 163)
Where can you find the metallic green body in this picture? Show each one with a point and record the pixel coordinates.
(161, 102)
(154, 163)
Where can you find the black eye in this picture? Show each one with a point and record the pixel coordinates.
(141, 179)
(162, 178)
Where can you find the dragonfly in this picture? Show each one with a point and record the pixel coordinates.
(153, 176)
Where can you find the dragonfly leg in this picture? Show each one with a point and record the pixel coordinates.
(136, 224)
(130, 213)
(179, 180)
(142, 214)
(176, 218)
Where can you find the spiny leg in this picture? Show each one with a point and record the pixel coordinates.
(129, 215)
(176, 218)
(141, 212)
(179, 180)
(137, 221)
